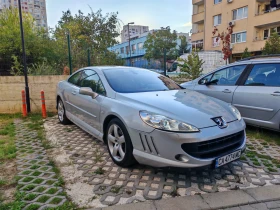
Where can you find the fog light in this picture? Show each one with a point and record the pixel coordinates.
(182, 158)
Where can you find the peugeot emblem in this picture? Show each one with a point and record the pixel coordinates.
(220, 122)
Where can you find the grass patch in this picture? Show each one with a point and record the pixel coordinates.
(15, 205)
(266, 135)
(116, 189)
(27, 179)
(272, 169)
(40, 189)
(7, 133)
(56, 200)
(43, 199)
(52, 191)
(30, 197)
(29, 187)
(33, 207)
(3, 182)
(36, 173)
(60, 182)
(99, 171)
(34, 167)
(38, 181)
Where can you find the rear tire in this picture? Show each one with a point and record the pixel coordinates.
(119, 143)
(61, 113)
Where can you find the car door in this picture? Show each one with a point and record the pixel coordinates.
(222, 83)
(89, 108)
(70, 92)
(259, 96)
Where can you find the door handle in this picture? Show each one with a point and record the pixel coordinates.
(74, 92)
(226, 91)
(276, 93)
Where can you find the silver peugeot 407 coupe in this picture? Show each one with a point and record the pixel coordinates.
(145, 117)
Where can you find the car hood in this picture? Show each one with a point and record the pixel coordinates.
(184, 105)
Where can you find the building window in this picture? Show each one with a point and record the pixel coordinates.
(268, 32)
(127, 49)
(216, 42)
(217, 1)
(240, 13)
(122, 49)
(217, 20)
(133, 48)
(265, 34)
(239, 37)
(140, 45)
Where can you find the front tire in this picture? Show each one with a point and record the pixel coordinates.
(61, 113)
(119, 144)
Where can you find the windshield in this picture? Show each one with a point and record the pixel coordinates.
(131, 80)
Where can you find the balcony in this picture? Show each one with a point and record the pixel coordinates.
(267, 18)
(198, 18)
(197, 2)
(197, 35)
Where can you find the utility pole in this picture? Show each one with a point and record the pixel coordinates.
(24, 59)
(129, 42)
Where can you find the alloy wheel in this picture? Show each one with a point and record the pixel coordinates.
(116, 142)
(60, 111)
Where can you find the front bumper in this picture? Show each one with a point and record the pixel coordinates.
(161, 148)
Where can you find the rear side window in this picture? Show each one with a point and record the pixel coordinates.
(90, 78)
(74, 79)
(264, 75)
(224, 77)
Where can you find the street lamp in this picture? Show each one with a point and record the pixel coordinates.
(24, 58)
(129, 41)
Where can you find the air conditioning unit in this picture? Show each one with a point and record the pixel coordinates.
(229, 1)
(231, 23)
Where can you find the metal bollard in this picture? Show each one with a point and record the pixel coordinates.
(44, 111)
(23, 98)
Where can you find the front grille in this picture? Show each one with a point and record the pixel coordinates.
(214, 148)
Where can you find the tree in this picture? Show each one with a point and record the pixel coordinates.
(92, 31)
(158, 41)
(226, 40)
(183, 47)
(40, 47)
(246, 53)
(191, 66)
(272, 45)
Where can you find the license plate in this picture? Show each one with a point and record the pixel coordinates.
(227, 158)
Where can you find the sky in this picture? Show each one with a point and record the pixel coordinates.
(153, 13)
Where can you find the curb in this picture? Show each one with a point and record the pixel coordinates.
(209, 201)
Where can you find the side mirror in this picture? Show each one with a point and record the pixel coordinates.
(88, 92)
(203, 82)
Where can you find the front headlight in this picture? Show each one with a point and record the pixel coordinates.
(236, 112)
(164, 123)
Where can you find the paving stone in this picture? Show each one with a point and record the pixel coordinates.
(229, 198)
(264, 193)
(36, 176)
(259, 206)
(178, 203)
(147, 183)
(272, 205)
(246, 207)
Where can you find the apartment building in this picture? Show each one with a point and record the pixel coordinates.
(36, 7)
(253, 21)
(135, 32)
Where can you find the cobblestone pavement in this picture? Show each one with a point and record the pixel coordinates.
(36, 177)
(114, 185)
(271, 205)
